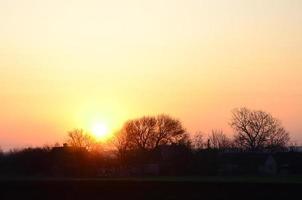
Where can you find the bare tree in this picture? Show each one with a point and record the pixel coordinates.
(149, 132)
(120, 142)
(140, 132)
(168, 131)
(198, 141)
(256, 130)
(77, 138)
(218, 140)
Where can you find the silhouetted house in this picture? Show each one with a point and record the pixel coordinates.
(247, 164)
(67, 149)
(289, 162)
(295, 149)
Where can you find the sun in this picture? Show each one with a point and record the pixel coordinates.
(100, 131)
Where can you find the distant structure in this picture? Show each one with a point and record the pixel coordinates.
(295, 149)
(247, 163)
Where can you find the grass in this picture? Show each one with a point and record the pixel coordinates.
(201, 179)
(186, 187)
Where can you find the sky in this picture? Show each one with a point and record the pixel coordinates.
(71, 64)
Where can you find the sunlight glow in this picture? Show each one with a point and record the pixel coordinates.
(100, 131)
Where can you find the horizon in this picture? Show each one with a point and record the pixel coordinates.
(95, 64)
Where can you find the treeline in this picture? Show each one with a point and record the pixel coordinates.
(155, 145)
(46, 161)
(253, 131)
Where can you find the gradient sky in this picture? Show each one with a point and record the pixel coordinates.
(68, 64)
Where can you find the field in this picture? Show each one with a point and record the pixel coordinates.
(152, 188)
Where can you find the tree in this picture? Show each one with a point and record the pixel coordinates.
(257, 130)
(169, 131)
(149, 132)
(140, 133)
(120, 142)
(77, 138)
(218, 140)
(198, 141)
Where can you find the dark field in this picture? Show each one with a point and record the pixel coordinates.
(152, 188)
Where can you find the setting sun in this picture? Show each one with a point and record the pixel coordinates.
(100, 131)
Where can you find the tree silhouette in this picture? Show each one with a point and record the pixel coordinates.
(121, 143)
(77, 138)
(218, 140)
(256, 130)
(198, 141)
(149, 132)
(169, 131)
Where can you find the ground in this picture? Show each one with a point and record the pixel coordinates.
(152, 188)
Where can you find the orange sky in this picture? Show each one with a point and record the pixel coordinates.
(68, 64)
